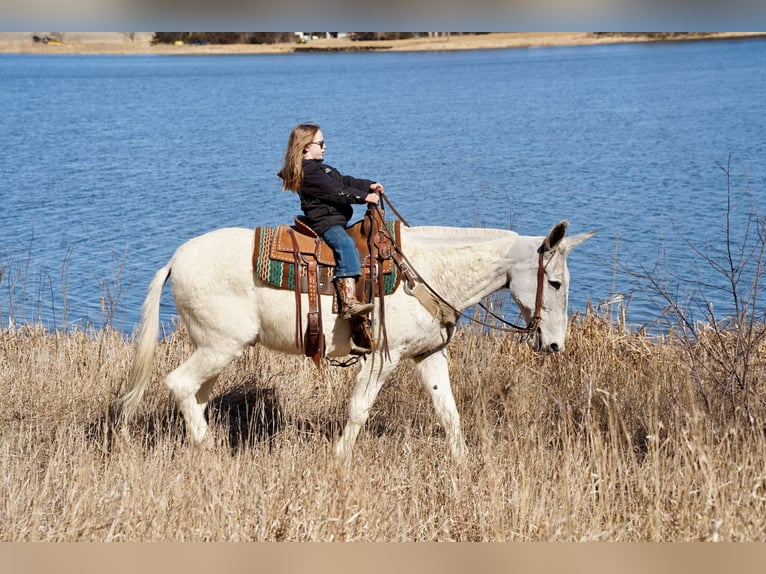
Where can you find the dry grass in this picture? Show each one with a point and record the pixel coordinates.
(606, 441)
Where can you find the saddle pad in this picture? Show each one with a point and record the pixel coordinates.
(280, 272)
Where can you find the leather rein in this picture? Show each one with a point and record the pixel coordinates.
(532, 325)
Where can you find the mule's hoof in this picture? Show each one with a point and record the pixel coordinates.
(205, 444)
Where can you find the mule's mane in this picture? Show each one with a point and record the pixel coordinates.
(456, 235)
(461, 264)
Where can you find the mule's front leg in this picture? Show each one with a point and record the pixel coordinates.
(369, 381)
(433, 371)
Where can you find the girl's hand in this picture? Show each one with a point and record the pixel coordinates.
(377, 188)
(372, 198)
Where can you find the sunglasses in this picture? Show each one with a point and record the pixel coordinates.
(320, 143)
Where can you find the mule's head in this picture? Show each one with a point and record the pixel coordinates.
(540, 286)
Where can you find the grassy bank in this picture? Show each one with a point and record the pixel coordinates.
(617, 439)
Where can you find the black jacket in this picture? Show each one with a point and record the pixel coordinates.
(327, 195)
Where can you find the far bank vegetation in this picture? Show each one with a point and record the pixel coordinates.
(285, 37)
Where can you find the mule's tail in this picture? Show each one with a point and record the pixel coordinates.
(141, 371)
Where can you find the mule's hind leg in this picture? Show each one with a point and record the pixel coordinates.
(191, 384)
(368, 383)
(433, 371)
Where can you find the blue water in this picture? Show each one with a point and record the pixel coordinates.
(110, 162)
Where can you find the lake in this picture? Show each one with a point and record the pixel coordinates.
(110, 162)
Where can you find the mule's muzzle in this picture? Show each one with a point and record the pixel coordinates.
(535, 340)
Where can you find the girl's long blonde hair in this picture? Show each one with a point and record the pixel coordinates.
(292, 170)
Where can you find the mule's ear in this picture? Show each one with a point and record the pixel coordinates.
(571, 242)
(555, 235)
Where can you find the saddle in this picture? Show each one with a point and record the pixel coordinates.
(296, 258)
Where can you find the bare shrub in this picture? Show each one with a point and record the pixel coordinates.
(721, 347)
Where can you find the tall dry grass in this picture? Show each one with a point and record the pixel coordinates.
(609, 440)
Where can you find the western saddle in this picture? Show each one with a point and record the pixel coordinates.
(296, 258)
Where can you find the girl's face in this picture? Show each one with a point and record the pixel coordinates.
(315, 150)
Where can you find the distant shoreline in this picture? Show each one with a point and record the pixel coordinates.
(119, 43)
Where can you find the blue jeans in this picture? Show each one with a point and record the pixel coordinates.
(346, 255)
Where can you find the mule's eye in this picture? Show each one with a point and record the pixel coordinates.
(555, 284)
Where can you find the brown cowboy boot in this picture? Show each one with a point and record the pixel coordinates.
(350, 306)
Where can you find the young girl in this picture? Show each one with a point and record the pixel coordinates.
(326, 199)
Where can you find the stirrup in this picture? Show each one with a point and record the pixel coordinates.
(355, 349)
(360, 341)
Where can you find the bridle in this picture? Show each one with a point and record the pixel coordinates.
(532, 325)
